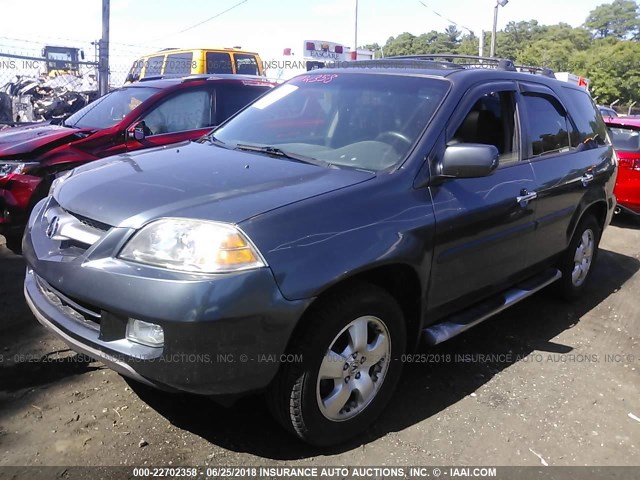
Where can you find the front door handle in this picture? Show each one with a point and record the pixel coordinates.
(587, 178)
(525, 197)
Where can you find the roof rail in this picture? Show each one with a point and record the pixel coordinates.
(473, 61)
(151, 77)
(204, 76)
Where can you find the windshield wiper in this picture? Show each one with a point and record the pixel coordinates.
(281, 153)
(213, 140)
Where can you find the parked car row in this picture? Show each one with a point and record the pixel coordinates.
(625, 136)
(141, 115)
(318, 235)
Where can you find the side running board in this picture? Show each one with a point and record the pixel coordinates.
(463, 321)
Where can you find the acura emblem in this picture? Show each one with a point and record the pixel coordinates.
(52, 228)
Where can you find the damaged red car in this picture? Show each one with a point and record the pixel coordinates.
(142, 115)
(625, 136)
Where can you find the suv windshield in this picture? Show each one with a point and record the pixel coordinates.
(110, 109)
(360, 120)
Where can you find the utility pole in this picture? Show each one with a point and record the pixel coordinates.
(103, 62)
(354, 54)
(499, 3)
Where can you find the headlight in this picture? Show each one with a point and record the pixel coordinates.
(8, 167)
(58, 180)
(193, 246)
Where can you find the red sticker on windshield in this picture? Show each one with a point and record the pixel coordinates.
(324, 78)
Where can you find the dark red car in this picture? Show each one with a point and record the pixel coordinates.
(625, 135)
(141, 115)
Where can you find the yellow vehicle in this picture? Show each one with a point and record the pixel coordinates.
(180, 62)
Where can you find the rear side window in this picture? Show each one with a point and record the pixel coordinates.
(547, 126)
(591, 127)
(154, 66)
(246, 64)
(178, 64)
(231, 99)
(219, 62)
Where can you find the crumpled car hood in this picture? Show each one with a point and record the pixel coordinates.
(196, 181)
(25, 139)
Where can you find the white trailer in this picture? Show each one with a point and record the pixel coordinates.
(572, 78)
(315, 54)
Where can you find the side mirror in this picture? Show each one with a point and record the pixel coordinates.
(469, 160)
(137, 131)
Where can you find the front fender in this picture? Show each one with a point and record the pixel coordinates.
(316, 243)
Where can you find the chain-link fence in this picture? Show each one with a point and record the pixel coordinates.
(39, 81)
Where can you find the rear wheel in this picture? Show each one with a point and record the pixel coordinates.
(577, 262)
(350, 364)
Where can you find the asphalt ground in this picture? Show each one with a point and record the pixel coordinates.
(546, 382)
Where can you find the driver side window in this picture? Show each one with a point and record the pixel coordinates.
(185, 111)
(492, 121)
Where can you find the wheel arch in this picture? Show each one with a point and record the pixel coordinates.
(598, 210)
(400, 280)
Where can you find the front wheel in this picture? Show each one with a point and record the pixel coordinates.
(577, 262)
(350, 352)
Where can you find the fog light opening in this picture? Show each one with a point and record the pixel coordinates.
(145, 333)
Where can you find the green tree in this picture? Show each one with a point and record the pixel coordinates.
(469, 45)
(619, 19)
(516, 36)
(611, 66)
(400, 45)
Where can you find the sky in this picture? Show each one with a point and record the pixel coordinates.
(265, 26)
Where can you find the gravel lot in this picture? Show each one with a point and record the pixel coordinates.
(543, 383)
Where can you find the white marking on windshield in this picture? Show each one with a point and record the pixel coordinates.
(274, 96)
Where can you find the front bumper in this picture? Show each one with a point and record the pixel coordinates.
(224, 334)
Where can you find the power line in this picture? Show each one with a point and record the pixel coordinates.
(445, 18)
(201, 23)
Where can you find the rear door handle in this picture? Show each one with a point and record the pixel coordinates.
(525, 197)
(587, 178)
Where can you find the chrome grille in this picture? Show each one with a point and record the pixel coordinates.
(65, 226)
(79, 311)
(90, 222)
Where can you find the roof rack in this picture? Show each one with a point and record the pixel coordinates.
(473, 61)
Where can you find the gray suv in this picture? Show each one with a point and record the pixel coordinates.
(306, 245)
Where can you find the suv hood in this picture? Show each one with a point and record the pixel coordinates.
(194, 180)
(25, 139)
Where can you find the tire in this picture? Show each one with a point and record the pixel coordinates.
(578, 260)
(300, 400)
